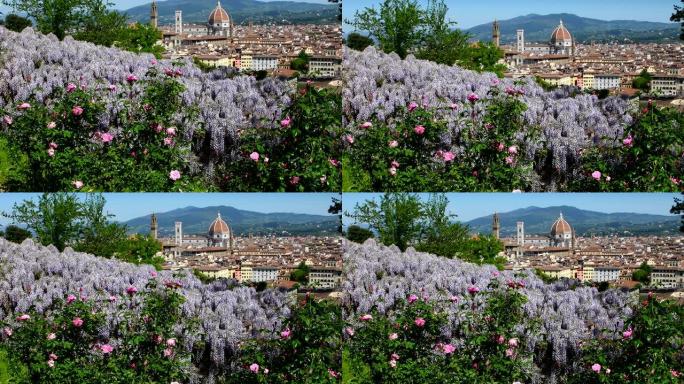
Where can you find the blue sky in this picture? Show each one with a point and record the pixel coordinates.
(470, 206)
(126, 206)
(469, 13)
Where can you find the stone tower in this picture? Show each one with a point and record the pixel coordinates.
(496, 226)
(153, 226)
(496, 34)
(521, 40)
(179, 22)
(179, 233)
(154, 15)
(520, 239)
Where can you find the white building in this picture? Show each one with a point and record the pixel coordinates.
(667, 277)
(606, 273)
(325, 277)
(607, 81)
(264, 62)
(668, 85)
(325, 66)
(264, 273)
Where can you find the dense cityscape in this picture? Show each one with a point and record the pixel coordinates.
(271, 48)
(596, 66)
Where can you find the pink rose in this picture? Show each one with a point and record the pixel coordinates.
(285, 334)
(254, 156)
(513, 150)
(628, 333)
(168, 352)
(53, 145)
(174, 175)
(71, 299)
(51, 152)
(52, 125)
(419, 129)
(77, 322)
(473, 97)
(168, 141)
(112, 87)
(393, 336)
(596, 175)
(254, 368)
(51, 363)
(412, 298)
(78, 184)
(171, 131)
(500, 147)
(349, 139)
(412, 106)
(628, 141)
(106, 349)
(333, 373)
(500, 339)
(394, 164)
(509, 352)
(286, 122)
(334, 162)
(24, 106)
(131, 290)
(7, 119)
(366, 125)
(448, 156)
(51, 336)
(394, 356)
(513, 342)
(393, 144)
(420, 322)
(596, 367)
(473, 289)
(171, 342)
(349, 331)
(106, 137)
(366, 317)
(393, 363)
(7, 331)
(70, 87)
(448, 348)
(454, 106)
(393, 171)
(131, 78)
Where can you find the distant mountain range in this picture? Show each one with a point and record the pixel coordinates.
(242, 11)
(197, 220)
(586, 223)
(538, 28)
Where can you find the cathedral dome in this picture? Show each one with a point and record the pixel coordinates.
(561, 34)
(219, 15)
(219, 227)
(561, 227)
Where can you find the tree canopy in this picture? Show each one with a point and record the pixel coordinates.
(16, 23)
(358, 41)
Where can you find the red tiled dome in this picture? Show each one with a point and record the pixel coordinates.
(560, 34)
(219, 15)
(218, 226)
(561, 227)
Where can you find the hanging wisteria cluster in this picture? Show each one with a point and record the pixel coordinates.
(564, 121)
(35, 65)
(33, 277)
(379, 277)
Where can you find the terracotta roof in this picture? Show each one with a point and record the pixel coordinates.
(219, 15)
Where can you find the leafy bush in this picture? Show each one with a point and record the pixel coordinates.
(308, 350)
(481, 133)
(648, 351)
(303, 154)
(73, 343)
(410, 344)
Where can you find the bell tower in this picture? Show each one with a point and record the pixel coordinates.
(154, 15)
(153, 226)
(496, 226)
(496, 34)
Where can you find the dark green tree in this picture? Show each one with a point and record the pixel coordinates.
(678, 209)
(397, 26)
(441, 41)
(301, 63)
(678, 16)
(102, 26)
(17, 23)
(358, 234)
(16, 234)
(98, 236)
(141, 38)
(643, 274)
(54, 219)
(396, 220)
(58, 16)
(358, 41)
(643, 81)
(301, 274)
(483, 57)
(141, 249)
